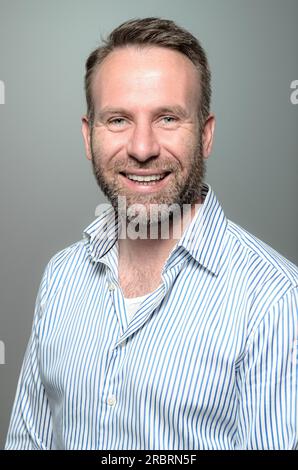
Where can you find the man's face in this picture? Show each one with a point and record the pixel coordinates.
(146, 144)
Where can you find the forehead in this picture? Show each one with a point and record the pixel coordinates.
(152, 75)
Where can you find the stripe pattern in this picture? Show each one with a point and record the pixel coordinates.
(208, 361)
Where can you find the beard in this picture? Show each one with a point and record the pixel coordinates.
(183, 190)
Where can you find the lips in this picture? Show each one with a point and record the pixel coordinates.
(144, 180)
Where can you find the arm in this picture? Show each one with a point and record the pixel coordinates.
(30, 425)
(267, 380)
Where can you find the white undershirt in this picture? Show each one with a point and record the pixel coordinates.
(133, 304)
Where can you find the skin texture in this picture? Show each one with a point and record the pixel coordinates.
(146, 122)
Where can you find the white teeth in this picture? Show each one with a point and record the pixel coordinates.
(145, 178)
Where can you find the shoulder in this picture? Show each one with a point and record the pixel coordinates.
(64, 264)
(269, 280)
(71, 255)
(262, 255)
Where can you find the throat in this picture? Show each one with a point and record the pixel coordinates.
(138, 282)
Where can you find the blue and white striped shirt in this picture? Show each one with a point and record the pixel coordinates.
(209, 360)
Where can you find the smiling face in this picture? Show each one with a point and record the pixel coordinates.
(145, 143)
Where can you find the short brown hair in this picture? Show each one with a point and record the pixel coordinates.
(159, 32)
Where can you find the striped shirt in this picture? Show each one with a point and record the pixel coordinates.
(208, 361)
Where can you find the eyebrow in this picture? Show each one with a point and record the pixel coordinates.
(175, 109)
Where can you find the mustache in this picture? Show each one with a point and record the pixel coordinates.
(128, 164)
(124, 166)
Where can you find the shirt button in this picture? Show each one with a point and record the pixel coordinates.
(111, 400)
(111, 287)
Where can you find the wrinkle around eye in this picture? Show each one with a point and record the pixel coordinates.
(114, 120)
(172, 124)
(117, 124)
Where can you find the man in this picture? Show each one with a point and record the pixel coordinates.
(180, 341)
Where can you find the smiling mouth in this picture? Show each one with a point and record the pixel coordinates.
(146, 179)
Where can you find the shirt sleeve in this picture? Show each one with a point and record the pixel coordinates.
(31, 424)
(267, 381)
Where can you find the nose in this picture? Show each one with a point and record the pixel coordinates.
(143, 143)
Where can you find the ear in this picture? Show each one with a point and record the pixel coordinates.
(208, 135)
(86, 131)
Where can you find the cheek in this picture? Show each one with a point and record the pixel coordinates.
(181, 148)
(107, 145)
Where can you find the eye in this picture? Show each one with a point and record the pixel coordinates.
(116, 122)
(168, 120)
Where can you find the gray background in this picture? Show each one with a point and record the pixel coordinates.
(48, 193)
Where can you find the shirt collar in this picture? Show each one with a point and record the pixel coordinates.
(202, 239)
(101, 235)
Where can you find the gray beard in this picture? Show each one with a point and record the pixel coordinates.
(186, 193)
